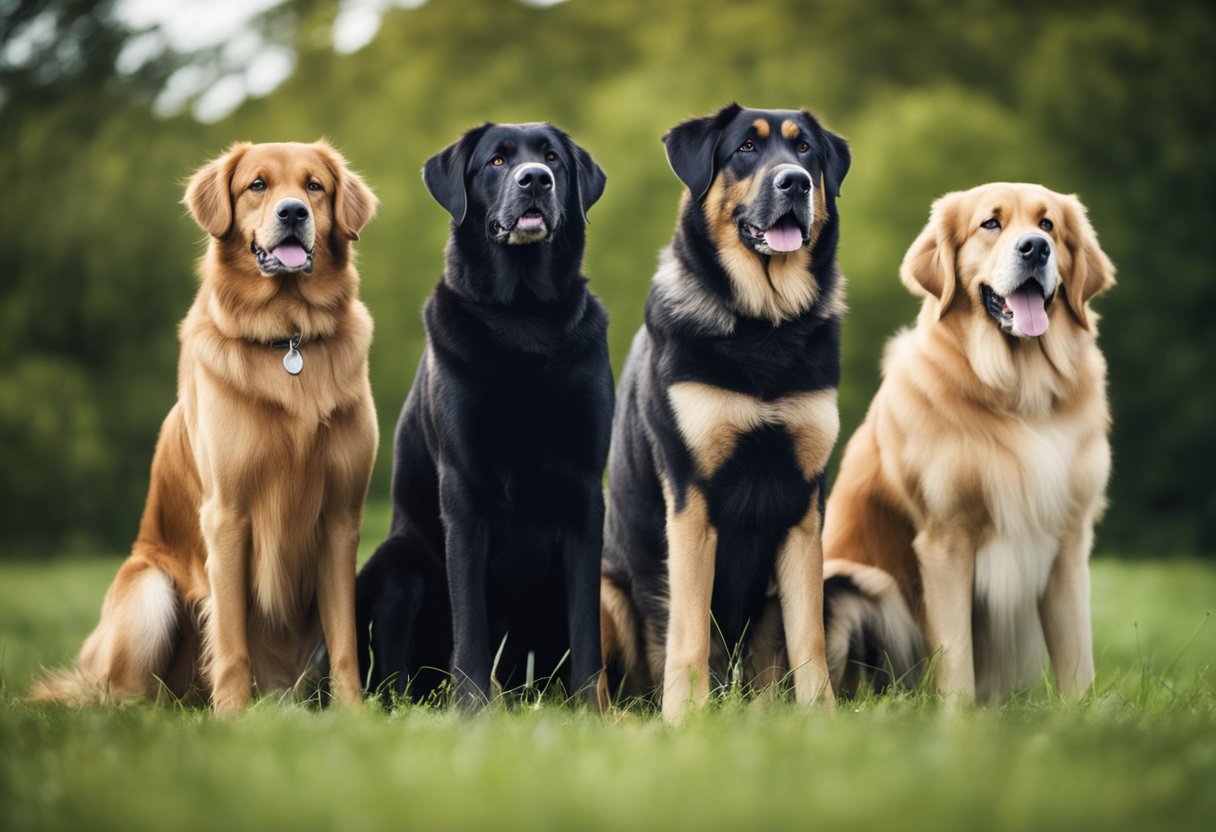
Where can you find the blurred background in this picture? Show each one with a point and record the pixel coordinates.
(107, 107)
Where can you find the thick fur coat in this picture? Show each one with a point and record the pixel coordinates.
(246, 551)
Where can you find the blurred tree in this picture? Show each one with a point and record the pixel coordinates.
(1107, 100)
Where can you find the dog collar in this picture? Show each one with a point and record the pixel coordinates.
(293, 362)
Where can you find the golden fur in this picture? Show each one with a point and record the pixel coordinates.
(979, 471)
(245, 555)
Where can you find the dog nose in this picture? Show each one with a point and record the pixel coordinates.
(1034, 248)
(291, 210)
(534, 178)
(792, 181)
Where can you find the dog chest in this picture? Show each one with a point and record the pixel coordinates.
(526, 424)
(712, 421)
(1031, 499)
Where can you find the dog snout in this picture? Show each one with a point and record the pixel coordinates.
(291, 211)
(792, 181)
(1035, 249)
(534, 178)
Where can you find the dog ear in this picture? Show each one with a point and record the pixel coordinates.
(209, 194)
(354, 202)
(836, 161)
(692, 148)
(1092, 270)
(590, 180)
(443, 173)
(928, 268)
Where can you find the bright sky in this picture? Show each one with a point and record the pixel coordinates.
(248, 66)
(252, 67)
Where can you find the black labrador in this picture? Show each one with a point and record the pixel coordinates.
(492, 561)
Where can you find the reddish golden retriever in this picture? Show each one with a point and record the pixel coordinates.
(246, 551)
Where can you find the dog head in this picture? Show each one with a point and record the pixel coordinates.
(1011, 250)
(764, 177)
(280, 209)
(521, 182)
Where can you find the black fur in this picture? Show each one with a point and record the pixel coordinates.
(760, 492)
(500, 448)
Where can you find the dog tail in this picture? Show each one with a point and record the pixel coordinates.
(872, 638)
(129, 652)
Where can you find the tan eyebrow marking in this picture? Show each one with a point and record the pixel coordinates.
(790, 129)
(762, 129)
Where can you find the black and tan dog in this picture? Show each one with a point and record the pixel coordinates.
(727, 414)
(497, 478)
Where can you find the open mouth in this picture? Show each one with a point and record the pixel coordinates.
(530, 220)
(529, 227)
(785, 235)
(289, 255)
(1023, 312)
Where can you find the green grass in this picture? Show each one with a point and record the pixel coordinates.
(1140, 752)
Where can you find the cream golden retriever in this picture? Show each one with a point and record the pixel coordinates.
(246, 552)
(963, 514)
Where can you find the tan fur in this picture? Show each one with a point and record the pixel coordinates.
(619, 638)
(246, 550)
(691, 548)
(800, 590)
(779, 289)
(712, 419)
(819, 201)
(790, 129)
(980, 469)
(762, 128)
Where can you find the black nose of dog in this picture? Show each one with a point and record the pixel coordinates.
(534, 178)
(793, 182)
(291, 210)
(1034, 248)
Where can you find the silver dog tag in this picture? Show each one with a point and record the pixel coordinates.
(293, 362)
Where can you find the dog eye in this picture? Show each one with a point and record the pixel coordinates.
(747, 147)
(257, 185)
(992, 223)
(803, 147)
(498, 161)
(1046, 224)
(550, 156)
(314, 186)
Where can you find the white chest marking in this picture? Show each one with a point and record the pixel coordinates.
(1031, 502)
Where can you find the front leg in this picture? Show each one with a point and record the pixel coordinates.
(800, 587)
(336, 603)
(583, 547)
(947, 569)
(691, 549)
(225, 531)
(467, 547)
(1065, 612)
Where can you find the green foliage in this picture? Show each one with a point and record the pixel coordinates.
(1104, 100)
(1137, 754)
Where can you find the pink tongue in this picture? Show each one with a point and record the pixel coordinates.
(291, 255)
(784, 237)
(1029, 316)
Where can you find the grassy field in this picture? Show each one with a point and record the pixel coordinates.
(1140, 752)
